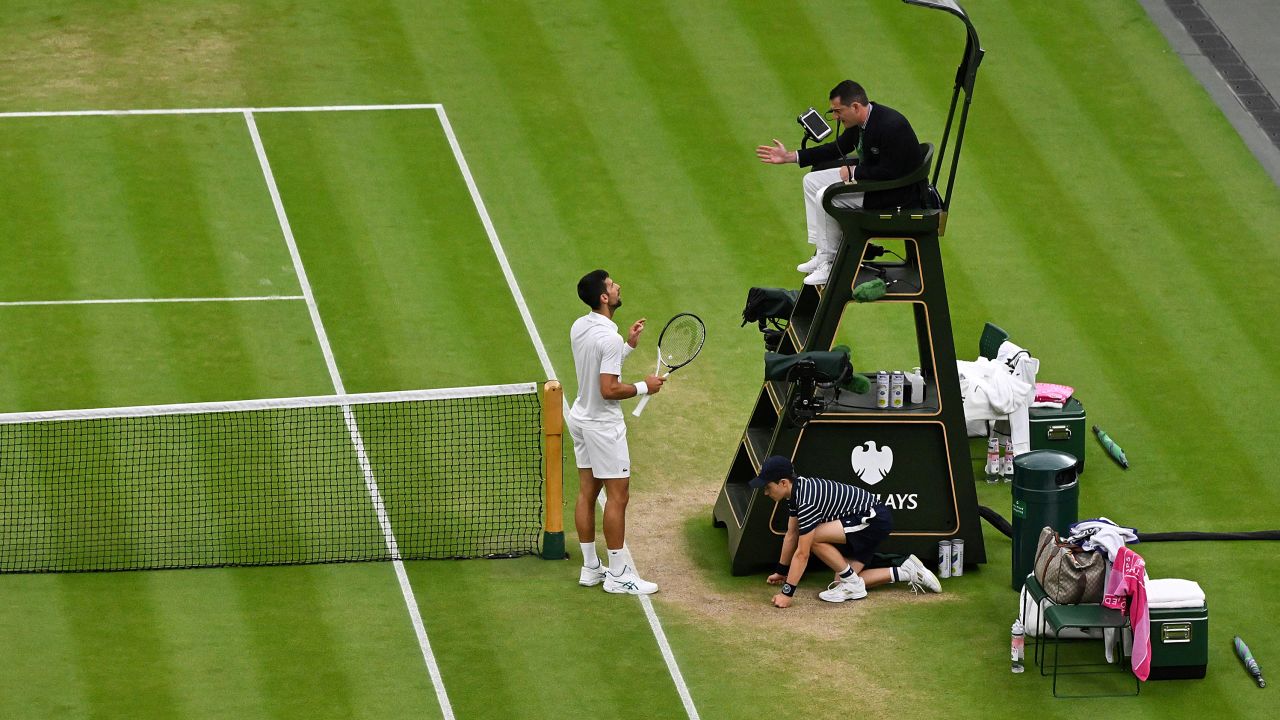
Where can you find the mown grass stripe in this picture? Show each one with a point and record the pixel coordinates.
(123, 617)
(1195, 301)
(405, 589)
(655, 51)
(1105, 327)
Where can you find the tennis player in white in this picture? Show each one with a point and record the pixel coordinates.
(600, 434)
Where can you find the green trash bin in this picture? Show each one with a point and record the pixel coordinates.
(1046, 492)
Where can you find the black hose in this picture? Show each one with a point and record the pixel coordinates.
(999, 523)
(1176, 536)
(996, 521)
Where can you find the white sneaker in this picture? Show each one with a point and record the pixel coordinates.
(841, 590)
(810, 265)
(628, 583)
(919, 577)
(819, 276)
(591, 577)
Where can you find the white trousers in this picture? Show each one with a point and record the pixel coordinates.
(824, 231)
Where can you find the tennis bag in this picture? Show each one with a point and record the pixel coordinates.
(829, 367)
(768, 304)
(1068, 574)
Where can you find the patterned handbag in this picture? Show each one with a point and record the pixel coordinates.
(1069, 575)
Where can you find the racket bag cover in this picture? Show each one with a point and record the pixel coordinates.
(831, 367)
(768, 304)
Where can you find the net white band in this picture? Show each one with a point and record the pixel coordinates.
(270, 403)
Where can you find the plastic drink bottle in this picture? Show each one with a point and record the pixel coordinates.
(993, 460)
(1016, 647)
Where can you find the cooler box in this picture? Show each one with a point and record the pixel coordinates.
(1062, 430)
(1179, 629)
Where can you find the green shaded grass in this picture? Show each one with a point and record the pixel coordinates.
(282, 642)
(137, 207)
(521, 638)
(59, 357)
(1095, 175)
(394, 249)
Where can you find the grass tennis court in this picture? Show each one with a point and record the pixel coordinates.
(1105, 214)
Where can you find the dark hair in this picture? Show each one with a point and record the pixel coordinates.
(849, 93)
(592, 286)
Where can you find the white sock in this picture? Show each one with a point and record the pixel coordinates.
(897, 575)
(617, 561)
(847, 575)
(589, 557)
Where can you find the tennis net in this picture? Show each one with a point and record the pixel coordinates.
(410, 475)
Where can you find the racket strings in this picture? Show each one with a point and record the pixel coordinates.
(681, 340)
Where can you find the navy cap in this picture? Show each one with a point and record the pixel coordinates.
(773, 469)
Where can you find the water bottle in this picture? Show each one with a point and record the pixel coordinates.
(993, 460)
(1006, 467)
(1016, 647)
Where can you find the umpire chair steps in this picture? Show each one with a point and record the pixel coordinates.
(929, 481)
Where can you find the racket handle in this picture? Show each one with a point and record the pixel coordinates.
(645, 400)
(640, 406)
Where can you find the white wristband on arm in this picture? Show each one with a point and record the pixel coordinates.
(642, 388)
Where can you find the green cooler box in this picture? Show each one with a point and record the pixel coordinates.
(1179, 629)
(1062, 430)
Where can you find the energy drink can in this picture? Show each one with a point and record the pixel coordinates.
(944, 558)
(882, 389)
(896, 385)
(957, 558)
(993, 460)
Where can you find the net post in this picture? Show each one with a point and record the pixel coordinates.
(553, 443)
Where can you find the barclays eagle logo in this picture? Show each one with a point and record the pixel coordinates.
(869, 464)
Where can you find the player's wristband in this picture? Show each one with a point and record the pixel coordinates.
(788, 589)
(642, 388)
(782, 570)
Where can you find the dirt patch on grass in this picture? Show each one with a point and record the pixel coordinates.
(682, 461)
(157, 50)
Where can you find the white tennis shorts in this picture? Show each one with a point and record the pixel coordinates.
(603, 448)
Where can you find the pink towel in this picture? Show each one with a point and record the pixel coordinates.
(1127, 582)
(1049, 392)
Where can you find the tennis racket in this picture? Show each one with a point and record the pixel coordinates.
(680, 342)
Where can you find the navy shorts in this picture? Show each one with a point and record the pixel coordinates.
(863, 543)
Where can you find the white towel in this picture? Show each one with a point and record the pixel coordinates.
(1101, 534)
(1174, 593)
(990, 392)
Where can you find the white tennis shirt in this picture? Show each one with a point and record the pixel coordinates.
(598, 350)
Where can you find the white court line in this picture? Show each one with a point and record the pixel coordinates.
(432, 667)
(216, 111)
(371, 483)
(654, 623)
(130, 301)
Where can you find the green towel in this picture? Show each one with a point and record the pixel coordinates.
(870, 291)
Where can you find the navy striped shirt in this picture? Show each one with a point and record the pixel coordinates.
(818, 500)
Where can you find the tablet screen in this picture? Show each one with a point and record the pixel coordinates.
(814, 125)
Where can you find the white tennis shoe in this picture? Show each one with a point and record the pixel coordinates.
(841, 590)
(918, 576)
(820, 275)
(628, 583)
(591, 577)
(810, 265)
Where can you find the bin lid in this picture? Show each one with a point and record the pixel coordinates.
(1044, 469)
